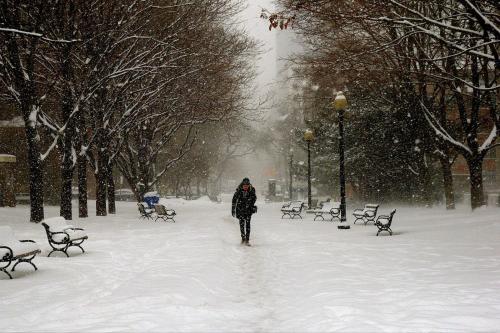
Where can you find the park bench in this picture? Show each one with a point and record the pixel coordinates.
(384, 222)
(163, 213)
(327, 208)
(314, 202)
(62, 236)
(14, 250)
(292, 209)
(214, 198)
(366, 214)
(146, 213)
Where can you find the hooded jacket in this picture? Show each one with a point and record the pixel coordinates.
(243, 201)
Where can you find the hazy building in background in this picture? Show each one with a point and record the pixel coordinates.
(270, 161)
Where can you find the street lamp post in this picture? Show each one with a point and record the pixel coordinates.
(309, 136)
(290, 190)
(340, 104)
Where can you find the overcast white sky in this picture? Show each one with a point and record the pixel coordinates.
(259, 165)
(258, 28)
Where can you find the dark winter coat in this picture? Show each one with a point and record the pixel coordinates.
(243, 202)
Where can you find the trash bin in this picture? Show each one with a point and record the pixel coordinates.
(151, 198)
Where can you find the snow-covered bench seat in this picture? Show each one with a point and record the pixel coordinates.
(366, 214)
(384, 222)
(163, 213)
(62, 236)
(292, 209)
(12, 249)
(146, 212)
(328, 208)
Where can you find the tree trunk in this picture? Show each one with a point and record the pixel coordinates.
(67, 106)
(449, 194)
(111, 191)
(24, 84)
(143, 189)
(66, 184)
(67, 163)
(82, 187)
(176, 187)
(100, 202)
(425, 179)
(428, 188)
(36, 175)
(476, 182)
(81, 160)
(101, 181)
(187, 190)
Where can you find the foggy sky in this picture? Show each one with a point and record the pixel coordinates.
(258, 164)
(258, 29)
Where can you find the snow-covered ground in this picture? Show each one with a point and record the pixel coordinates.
(439, 272)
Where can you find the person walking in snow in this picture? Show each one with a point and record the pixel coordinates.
(243, 207)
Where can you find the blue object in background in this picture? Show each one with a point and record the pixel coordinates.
(151, 198)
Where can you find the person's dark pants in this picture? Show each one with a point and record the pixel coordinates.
(245, 227)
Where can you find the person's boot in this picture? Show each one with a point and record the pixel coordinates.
(243, 240)
(247, 242)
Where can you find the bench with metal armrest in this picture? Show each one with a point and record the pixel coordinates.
(163, 213)
(14, 250)
(146, 213)
(327, 208)
(384, 222)
(62, 236)
(367, 214)
(292, 209)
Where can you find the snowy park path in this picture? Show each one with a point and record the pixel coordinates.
(439, 272)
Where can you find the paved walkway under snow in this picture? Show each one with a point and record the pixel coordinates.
(439, 272)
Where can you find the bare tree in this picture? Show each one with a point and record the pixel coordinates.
(23, 59)
(447, 51)
(196, 88)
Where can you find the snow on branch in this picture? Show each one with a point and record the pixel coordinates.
(448, 42)
(434, 22)
(21, 32)
(39, 35)
(485, 20)
(487, 144)
(442, 133)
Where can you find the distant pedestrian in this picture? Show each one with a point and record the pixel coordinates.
(243, 207)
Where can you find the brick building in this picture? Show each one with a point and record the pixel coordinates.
(491, 177)
(491, 165)
(13, 142)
